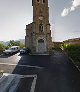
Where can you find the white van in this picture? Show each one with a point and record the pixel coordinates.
(12, 50)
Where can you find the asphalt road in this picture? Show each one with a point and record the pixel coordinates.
(55, 73)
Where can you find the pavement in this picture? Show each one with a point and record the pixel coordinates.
(54, 73)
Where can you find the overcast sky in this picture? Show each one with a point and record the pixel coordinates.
(16, 14)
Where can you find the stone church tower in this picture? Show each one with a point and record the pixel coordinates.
(38, 33)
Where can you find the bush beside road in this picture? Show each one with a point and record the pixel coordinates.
(2, 48)
(73, 51)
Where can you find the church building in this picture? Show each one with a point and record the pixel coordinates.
(38, 34)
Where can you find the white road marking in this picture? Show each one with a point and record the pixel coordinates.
(33, 84)
(19, 76)
(10, 82)
(21, 65)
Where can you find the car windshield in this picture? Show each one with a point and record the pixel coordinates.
(11, 49)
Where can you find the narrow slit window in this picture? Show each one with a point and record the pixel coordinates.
(43, 1)
(41, 28)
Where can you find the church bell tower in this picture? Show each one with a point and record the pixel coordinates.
(38, 33)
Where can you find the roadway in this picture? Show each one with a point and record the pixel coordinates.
(54, 73)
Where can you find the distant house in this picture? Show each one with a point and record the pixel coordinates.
(57, 44)
(72, 41)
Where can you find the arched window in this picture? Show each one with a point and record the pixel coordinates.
(37, 0)
(43, 1)
(41, 28)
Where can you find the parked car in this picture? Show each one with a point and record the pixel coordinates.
(12, 50)
(24, 51)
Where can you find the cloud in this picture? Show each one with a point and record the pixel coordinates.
(65, 12)
(75, 4)
(72, 8)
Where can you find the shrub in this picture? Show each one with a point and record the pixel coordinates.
(2, 47)
(74, 52)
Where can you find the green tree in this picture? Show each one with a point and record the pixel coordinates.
(22, 45)
(13, 43)
(17, 43)
(2, 47)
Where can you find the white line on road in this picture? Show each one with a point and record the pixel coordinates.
(19, 76)
(33, 84)
(21, 65)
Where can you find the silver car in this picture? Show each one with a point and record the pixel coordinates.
(12, 50)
